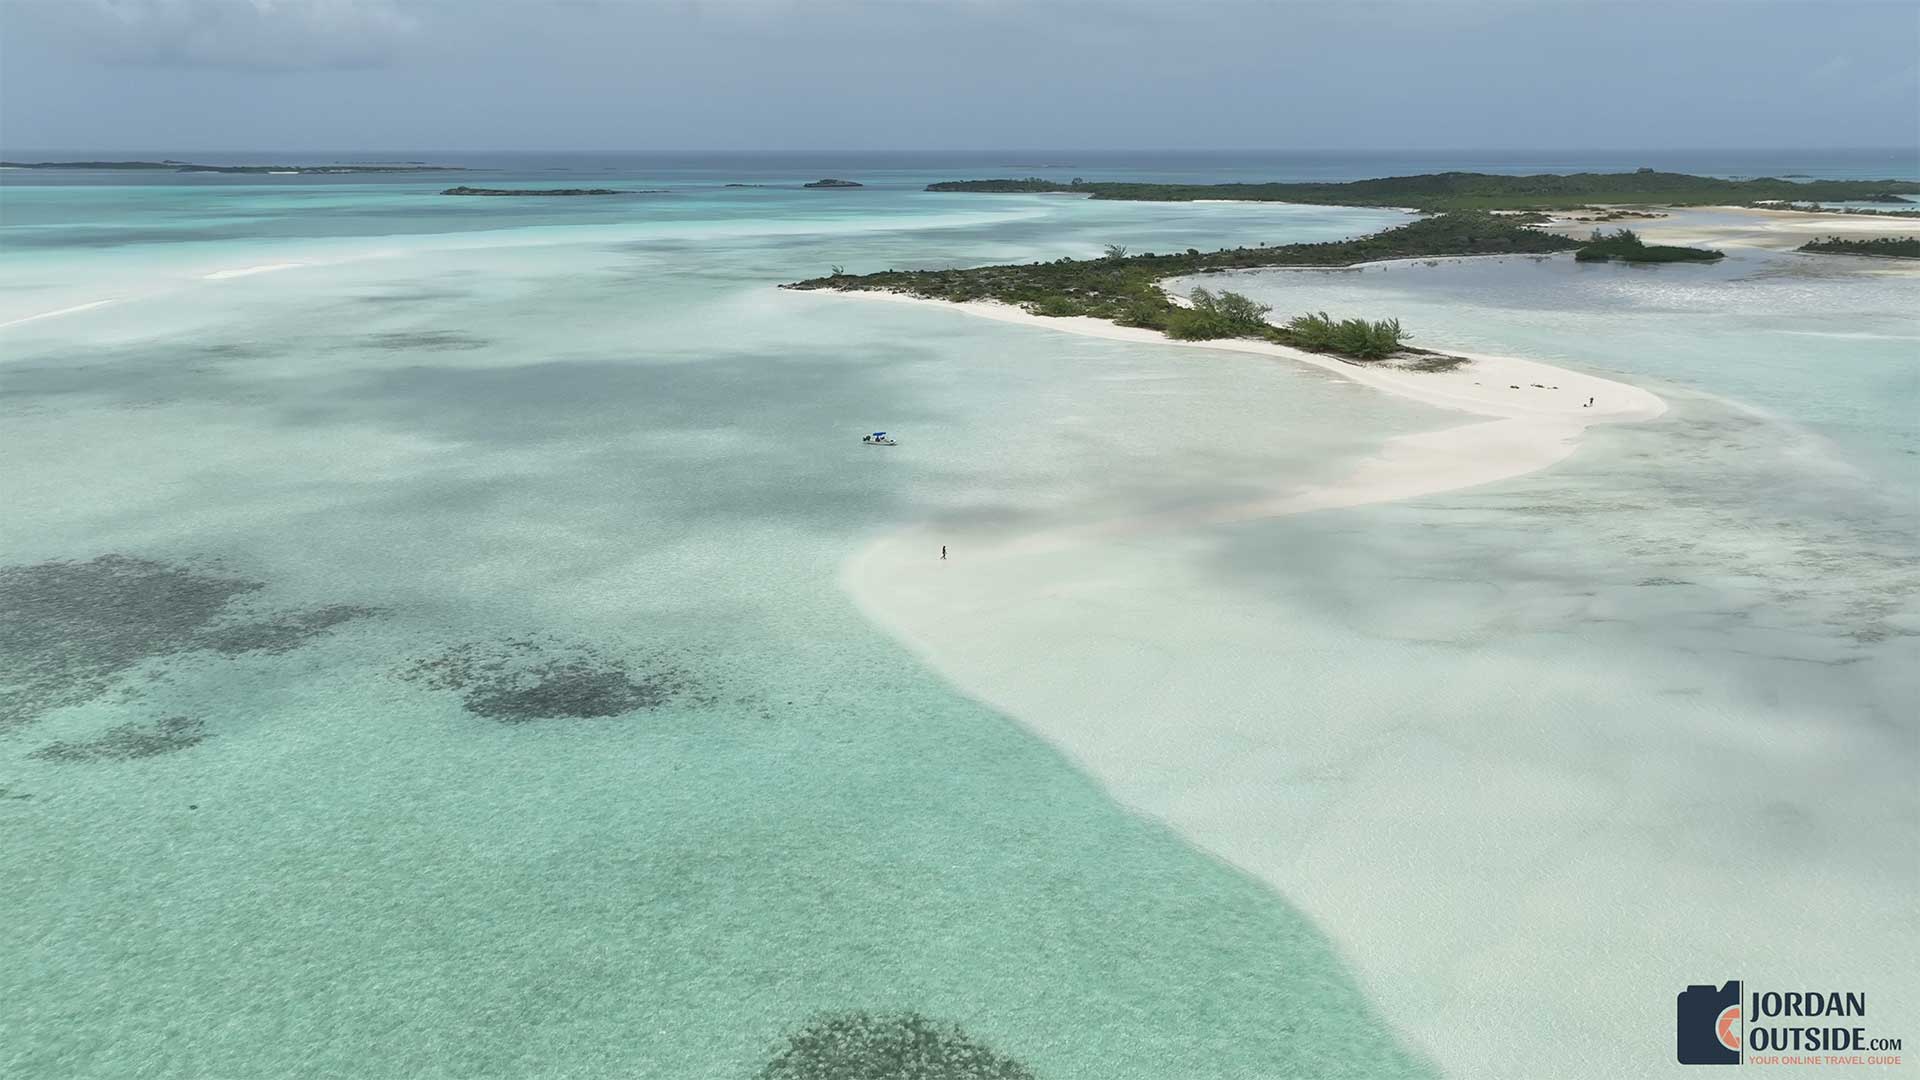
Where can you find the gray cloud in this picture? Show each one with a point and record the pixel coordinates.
(176, 75)
(247, 34)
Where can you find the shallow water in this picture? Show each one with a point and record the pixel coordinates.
(468, 691)
(1680, 669)
(435, 664)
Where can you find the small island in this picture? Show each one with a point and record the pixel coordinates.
(1626, 246)
(1885, 247)
(1125, 288)
(541, 192)
(830, 182)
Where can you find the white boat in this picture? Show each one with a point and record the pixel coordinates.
(879, 438)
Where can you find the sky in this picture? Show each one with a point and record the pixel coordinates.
(181, 75)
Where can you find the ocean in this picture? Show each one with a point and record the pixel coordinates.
(428, 656)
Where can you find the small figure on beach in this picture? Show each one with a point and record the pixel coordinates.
(943, 551)
(1588, 405)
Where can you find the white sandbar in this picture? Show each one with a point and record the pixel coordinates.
(1104, 638)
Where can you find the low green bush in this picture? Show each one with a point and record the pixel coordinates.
(1217, 315)
(1358, 338)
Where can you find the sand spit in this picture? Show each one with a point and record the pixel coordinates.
(1740, 226)
(1107, 639)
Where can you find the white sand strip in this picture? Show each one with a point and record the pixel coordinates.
(249, 271)
(1741, 226)
(1501, 386)
(1539, 412)
(1110, 640)
(61, 311)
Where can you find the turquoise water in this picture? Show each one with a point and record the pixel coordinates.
(428, 658)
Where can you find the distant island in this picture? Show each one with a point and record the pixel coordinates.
(547, 191)
(831, 182)
(1125, 288)
(1478, 191)
(1886, 247)
(190, 167)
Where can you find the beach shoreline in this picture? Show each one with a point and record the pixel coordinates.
(1487, 386)
(1532, 416)
(1101, 638)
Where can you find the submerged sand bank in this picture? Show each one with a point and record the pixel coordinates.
(1109, 639)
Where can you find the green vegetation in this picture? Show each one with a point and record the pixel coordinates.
(1125, 288)
(1890, 247)
(1480, 191)
(1032, 185)
(1626, 246)
(1112, 287)
(1216, 315)
(1348, 337)
(900, 1046)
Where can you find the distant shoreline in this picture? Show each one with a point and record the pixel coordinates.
(547, 192)
(1440, 192)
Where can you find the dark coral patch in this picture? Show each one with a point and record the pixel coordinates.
(894, 1046)
(70, 630)
(67, 629)
(517, 681)
(128, 742)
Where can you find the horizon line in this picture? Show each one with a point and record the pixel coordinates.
(1883, 148)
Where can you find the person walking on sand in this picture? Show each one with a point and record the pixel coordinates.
(1588, 405)
(943, 551)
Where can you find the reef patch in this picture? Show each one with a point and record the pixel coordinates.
(527, 679)
(858, 1045)
(129, 742)
(71, 631)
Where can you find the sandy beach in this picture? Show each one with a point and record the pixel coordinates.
(1447, 863)
(1740, 226)
(1103, 638)
(1537, 413)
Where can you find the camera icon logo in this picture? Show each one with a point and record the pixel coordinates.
(1707, 1025)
